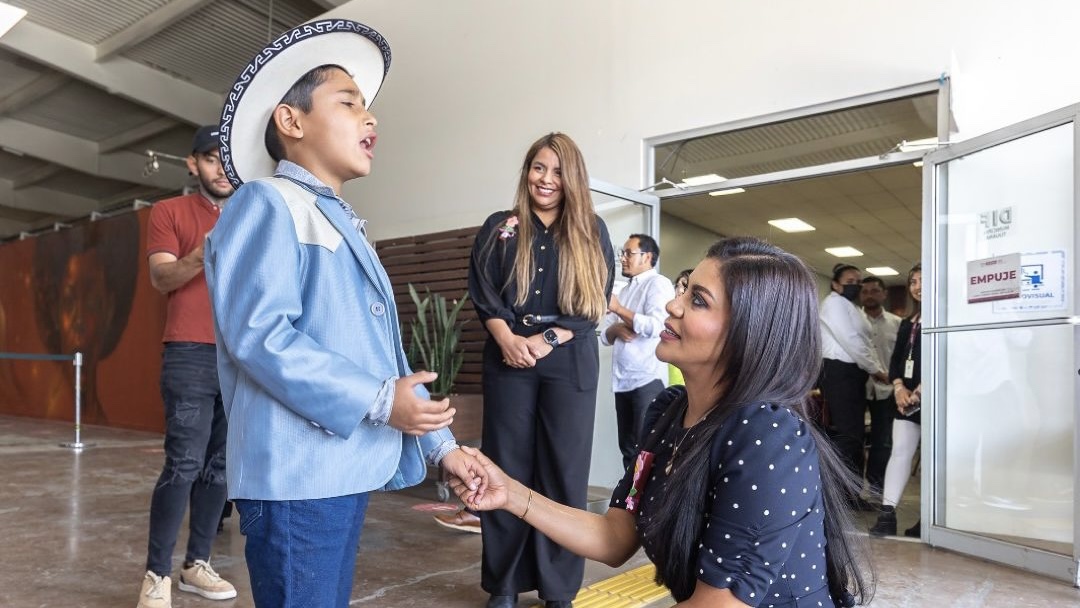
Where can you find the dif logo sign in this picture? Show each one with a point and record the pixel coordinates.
(996, 223)
(994, 279)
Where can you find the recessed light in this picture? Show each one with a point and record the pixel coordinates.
(844, 252)
(701, 180)
(792, 224)
(9, 16)
(882, 271)
(728, 191)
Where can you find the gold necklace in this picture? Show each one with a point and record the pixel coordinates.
(675, 450)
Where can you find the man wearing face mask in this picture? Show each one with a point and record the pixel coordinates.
(850, 360)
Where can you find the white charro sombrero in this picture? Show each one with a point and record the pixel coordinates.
(362, 51)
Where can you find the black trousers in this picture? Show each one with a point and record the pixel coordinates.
(630, 409)
(538, 426)
(844, 387)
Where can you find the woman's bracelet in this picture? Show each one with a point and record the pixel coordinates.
(527, 505)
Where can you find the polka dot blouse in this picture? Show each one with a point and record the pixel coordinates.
(764, 528)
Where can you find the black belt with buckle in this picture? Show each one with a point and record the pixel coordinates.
(531, 320)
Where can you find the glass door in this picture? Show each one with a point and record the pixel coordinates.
(1000, 359)
(626, 212)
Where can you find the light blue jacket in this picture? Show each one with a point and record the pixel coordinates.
(308, 348)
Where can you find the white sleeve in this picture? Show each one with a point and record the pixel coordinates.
(852, 332)
(650, 322)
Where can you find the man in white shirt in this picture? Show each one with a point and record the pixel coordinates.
(632, 325)
(879, 396)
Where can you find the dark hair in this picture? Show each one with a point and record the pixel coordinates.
(773, 325)
(647, 244)
(917, 305)
(685, 274)
(298, 96)
(874, 280)
(840, 269)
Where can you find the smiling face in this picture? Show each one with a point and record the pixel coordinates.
(694, 333)
(545, 181)
(336, 139)
(915, 285)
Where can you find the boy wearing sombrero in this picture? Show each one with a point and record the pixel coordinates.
(322, 405)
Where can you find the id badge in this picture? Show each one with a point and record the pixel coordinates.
(909, 369)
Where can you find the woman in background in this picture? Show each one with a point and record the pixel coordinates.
(540, 278)
(906, 375)
(849, 358)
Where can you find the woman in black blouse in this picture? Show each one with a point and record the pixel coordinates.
(906, 375)
(540, 278)
(743, 502)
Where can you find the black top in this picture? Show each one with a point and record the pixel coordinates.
(491, 276)
(764, 536)
(904, 345)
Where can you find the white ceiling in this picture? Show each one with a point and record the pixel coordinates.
(876, 211)
(87, 86)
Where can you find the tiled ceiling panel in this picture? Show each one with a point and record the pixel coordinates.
(14, 165)
(85, 111)
(882, 222)
(858, 132)
(16, 73)
(210, 46)
(89, 186)
(89, 21)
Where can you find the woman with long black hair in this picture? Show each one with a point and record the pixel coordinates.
(735, 496)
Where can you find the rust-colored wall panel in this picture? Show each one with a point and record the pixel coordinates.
(84, 288)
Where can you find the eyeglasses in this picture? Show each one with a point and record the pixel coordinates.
(625, 253)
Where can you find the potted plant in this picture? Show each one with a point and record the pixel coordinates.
(436, 336)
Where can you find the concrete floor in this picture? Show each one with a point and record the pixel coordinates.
(73, 529)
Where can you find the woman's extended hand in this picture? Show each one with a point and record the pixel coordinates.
(497, 493)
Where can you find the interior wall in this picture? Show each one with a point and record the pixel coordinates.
(474, 82)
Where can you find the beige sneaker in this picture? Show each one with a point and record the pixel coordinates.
(156, 591)
(200, 578)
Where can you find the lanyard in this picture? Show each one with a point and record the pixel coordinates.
(915, 324)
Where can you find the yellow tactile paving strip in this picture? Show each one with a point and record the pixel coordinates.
(631, 589)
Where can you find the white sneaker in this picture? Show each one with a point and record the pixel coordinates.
(156, 591)
(200, 578)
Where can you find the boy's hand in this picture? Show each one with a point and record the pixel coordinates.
(497, 484)
(413, 415)
(467, 470)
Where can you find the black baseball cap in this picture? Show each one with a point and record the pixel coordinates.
(206, 139)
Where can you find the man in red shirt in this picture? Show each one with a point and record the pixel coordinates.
(195, 425)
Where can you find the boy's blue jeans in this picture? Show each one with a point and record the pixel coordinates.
(302, 552)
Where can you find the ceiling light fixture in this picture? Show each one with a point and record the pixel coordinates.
(882, 271)
(153, 164)
(792, 224)
(9, 16)
(701, 180)
(844, 252)
(725, 192)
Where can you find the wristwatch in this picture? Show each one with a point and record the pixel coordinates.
(551, 337)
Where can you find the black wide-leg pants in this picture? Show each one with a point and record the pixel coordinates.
(538, 426)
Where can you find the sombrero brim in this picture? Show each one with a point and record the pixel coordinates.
(362, 51)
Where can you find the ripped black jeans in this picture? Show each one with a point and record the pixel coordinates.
(194, 472)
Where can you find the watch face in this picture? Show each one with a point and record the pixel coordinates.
(551, 337)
